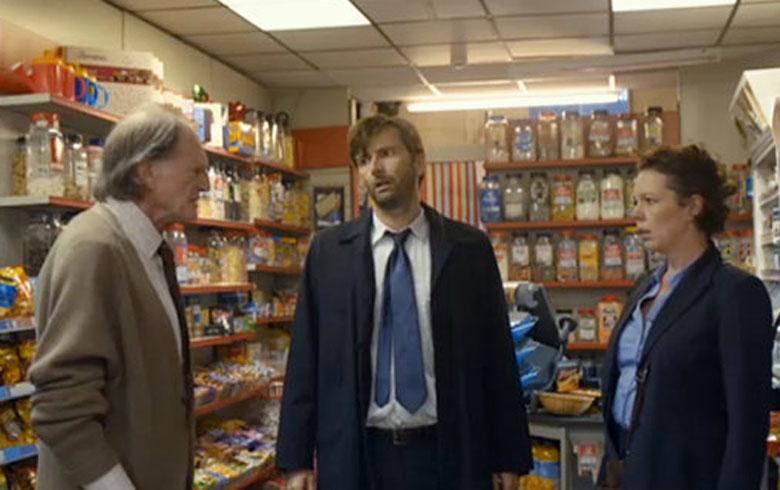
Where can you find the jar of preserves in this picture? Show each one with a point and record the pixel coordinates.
(490, 199)
(515, 199)
(627, 137)
(612, 264)
(629, 192)
(587, 197)
(654, 128)
(549, 140)
(46, 172)
(95, 163)
(563, 198)
(520, 259)
(589, 257)
(76, 166)
(539, 208)
(567, 257)
(544, 262)
(235, 259)
(587, 328)
(635, 254)
(216, 259)
(609, 310)
(600, 140)
(572, 147)
(523, 141)
(38, 238)
(19, 167)
(496, 139)
(613, 205)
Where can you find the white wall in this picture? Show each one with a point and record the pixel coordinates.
(95, 23)
(313, 107)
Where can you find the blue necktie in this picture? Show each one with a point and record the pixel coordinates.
(399, 334)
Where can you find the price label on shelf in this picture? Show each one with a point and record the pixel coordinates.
(17, 453)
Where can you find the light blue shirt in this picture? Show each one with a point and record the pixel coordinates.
(632, 343)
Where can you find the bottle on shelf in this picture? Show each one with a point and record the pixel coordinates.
(20, 166)
(587, 197)
(613, 205)
(589, 257)
(520, 259)
(567, 257)
(587, 328)
(46, 172)
(629, 192)
(654, 128)
(496, 139)
(739, 202)
(635, 254)
(549, 139)
(563, 197)
(37, 240)
(177, 241)
(612, 264)
(515, 199)
(627, 136)
(609, 310)
(523, 141)
(490, 199)
(600, 136)
(501, 250)
(572, 147)
(76, 165)
(539, 193)
(544, 259)
(94, 163)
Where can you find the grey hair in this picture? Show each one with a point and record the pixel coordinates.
(149, 133)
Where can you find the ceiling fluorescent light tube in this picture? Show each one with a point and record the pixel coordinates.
(639, 5)
(483, 103)
(286, 15)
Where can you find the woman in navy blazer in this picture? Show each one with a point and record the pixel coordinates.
(688, 371)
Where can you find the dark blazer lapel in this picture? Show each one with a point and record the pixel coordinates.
(693, 285)
(357, 236)
(441, 244)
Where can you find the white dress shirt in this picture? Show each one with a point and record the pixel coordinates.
(146, 241)
(418, 248)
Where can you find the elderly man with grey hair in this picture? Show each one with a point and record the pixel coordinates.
(113, 401)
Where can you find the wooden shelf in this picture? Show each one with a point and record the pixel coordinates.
(36, 202)
(216, 288)
(229, 402)
(741, 217)
(617, 284)
(274, 319)
(20, 324)
(223, 224)
(221, 340)
(275, 167)
(257, 476)
(86, 119)
(272, 269)
(585, 162)
(282, 228)
(12, 392)
(542, 225)
(586, 346)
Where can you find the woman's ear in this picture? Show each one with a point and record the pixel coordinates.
(695, 205)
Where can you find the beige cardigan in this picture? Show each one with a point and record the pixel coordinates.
(108, 378)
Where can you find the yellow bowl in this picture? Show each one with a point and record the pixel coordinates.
(565, 403)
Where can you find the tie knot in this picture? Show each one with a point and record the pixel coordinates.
(400, 237)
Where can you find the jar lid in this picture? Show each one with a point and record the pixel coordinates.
(561, 177)
(567, 233)
(601, 112)
(571, 113)
(589, 236)
(631, 229)
(586, 311)
(655, 109)
(611, 298)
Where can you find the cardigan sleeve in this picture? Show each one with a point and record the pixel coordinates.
(77, 352)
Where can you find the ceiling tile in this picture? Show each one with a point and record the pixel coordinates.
(439, 54)
(406, 10)
(470, 73)
(513, 7)
(136, 5)
(494, 88)
(545, 26)
(752, 35)
(356, 59)
(198, 21)
(758, 14)
(375, 77)
(396, 92)
(265, 62)
(568, 84)
(331, 39)
(295, 78)
(665, 40)
(662, 20)
(439, 31)
(240, 43)
(539, 48)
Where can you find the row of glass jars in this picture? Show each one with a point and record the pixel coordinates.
(550, 138)
(570, 257)
(556, 199)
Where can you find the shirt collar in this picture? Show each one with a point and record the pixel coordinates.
(137, 226)
(419, 227)
(675, 279)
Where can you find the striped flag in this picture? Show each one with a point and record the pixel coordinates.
(451, 188)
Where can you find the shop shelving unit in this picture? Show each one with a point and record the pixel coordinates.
(282, 228)
(586, 346)
(272, 269)
(274, 319)
(17, 453)
(562, 164)
(550, 225)
(216, 289)
(212, 341)
(229, 402)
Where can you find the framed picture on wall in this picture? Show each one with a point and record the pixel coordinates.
(328, 206)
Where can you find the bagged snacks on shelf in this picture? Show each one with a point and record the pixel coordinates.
(16, 297)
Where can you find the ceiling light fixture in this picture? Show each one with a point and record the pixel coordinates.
(521, 86)
(530, 100)
(286, 15)
(639, 5)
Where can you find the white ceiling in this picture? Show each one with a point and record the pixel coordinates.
(412, 45)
